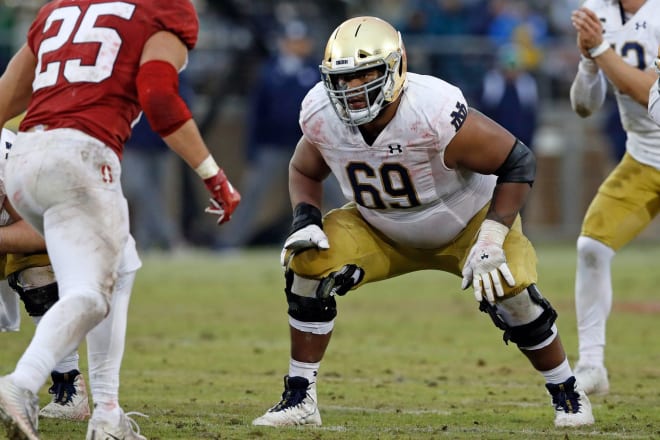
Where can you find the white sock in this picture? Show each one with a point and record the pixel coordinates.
(68, 363)
(559, 374)
(108, 412)
(593, 298)
(303, 369)
(105, 350)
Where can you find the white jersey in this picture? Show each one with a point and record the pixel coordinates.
(6, 141)
(400, 183)
(10, 316)
(636, 39)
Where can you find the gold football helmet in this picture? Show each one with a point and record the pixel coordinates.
(358, 44)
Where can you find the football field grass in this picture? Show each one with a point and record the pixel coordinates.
(411, 357)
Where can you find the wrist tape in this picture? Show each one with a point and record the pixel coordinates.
(493, 232)
(599, 50)
(305, 214)
(208, 168)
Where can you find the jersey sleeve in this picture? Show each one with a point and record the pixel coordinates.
(589, 88)
(180, 18)
(451, 114)
(654, 102)
(310, 109)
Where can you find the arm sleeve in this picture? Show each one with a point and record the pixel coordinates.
(588, 89)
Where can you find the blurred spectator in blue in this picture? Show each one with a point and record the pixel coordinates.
(514, 21)
(272, 134)
(144, 172)
(509, 94)
(437, 17)
(444, 18)
(510, 15)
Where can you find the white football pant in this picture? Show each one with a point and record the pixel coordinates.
(67, 185)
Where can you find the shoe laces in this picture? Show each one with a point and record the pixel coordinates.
(63, 386)
(564, 396)
(132, 424)
(295, 391)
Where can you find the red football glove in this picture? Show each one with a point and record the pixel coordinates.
(224, 198)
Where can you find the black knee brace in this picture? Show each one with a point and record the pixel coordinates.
(526, 335)
(309, 309)
(38, 300)
(341, 281)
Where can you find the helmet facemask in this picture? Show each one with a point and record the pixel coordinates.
(374, 92)
(358, 45)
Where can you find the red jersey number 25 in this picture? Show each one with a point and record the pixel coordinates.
(79, 30)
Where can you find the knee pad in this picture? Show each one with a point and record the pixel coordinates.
(316, 328)
(37, 289)
(304, 305)
(314, 300)
(527, 319)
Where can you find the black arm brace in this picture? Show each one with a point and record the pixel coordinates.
(304, 215)
(519, 166)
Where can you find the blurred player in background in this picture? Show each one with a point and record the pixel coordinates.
(434, 185)
(88, 69)
(618, 42)
(30, 276)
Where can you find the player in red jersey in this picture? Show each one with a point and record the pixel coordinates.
(88, 69)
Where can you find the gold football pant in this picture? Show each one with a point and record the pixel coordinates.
(626, 202)
(353, 241)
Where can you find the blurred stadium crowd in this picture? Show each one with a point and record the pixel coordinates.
(479, 45)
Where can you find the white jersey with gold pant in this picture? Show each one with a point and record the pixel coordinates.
(629, 198)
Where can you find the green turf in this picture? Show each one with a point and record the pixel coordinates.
(411, 358)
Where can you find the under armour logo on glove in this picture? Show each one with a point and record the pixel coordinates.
(484, 255)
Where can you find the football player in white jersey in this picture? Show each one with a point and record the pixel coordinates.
(433, 184)
(618, 41)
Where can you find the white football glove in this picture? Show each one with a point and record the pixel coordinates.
(311, 236)
(486, 262)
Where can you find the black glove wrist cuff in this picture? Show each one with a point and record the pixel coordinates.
(305, 214)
